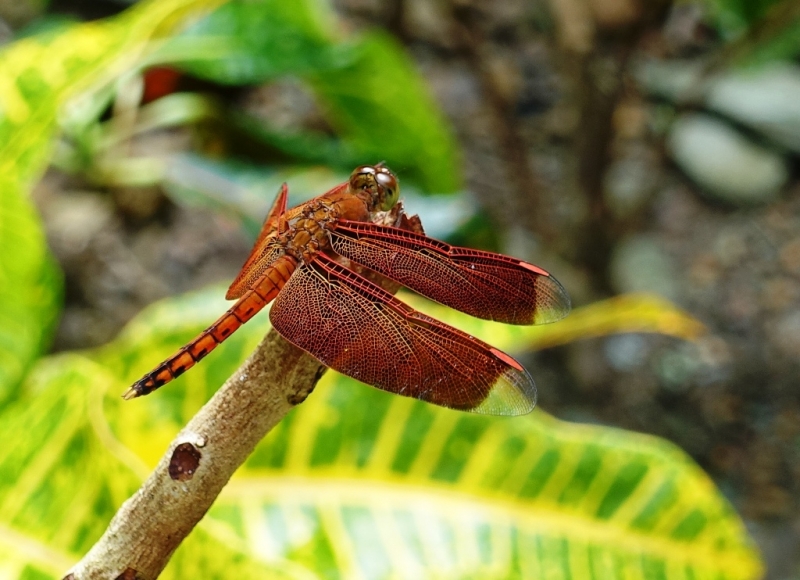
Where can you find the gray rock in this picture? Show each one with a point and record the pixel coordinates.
(767, 99)
(788, 334)
(640, 265)
(678, 81)
(72, 221)
(724, 162)
(626, 352)
(628, 184)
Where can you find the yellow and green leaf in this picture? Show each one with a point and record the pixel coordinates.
(357, 483)
(65, 479)
(41, 77)
(626, 313)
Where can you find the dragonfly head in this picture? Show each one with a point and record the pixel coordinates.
(379, 182)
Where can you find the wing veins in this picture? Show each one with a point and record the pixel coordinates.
(440, 364)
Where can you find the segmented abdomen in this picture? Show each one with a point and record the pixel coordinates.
(263, 291)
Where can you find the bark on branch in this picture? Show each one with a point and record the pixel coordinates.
(199, 462)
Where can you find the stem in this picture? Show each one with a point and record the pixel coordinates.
(150, 526)
(523, 200)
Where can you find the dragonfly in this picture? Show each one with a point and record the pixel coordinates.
(332, 265)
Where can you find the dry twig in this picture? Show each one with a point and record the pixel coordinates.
(199, 462)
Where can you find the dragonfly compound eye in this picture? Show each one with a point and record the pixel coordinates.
(388, 188)
(362, 176)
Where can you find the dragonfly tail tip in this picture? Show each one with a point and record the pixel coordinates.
(131, 393)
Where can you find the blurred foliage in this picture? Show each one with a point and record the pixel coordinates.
(355, 480)
(626, 313)
(762, 30)
(39, 77)
(367, 88)
(740, 14)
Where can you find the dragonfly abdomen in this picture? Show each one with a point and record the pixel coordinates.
(261, 293)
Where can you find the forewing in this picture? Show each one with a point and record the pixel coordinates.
(261, 255)
(484, 284)
(360, 330)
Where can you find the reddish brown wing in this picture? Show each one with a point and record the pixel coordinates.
(359, 329)
(483, 284)
(261, 255)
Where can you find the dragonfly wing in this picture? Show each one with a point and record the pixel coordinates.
(482, 284)
(260, 256)
(360, 330)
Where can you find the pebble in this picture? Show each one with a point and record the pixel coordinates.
(731, 246)
(779, 293)
(726, 164)
(677, 366)
(639, 264)
(626, 352)
(788, 333)
(629, 183)
(73, 221)
(674, 80)
(766, 99)
(790, 256)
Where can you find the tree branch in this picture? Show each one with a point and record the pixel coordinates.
(523, 201)
(199, 462)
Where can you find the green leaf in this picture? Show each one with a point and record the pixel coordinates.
(356, 482)
(243, 191)
(209, 553)
(624, 313)
(40, 77)
(67, 473)
(30, 288)
(383, 110)
(737, 14)
(359, 483)
(368, 87)
(260, 41)
(148, 339)
(760, 31)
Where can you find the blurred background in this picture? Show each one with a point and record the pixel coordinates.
(624, 145)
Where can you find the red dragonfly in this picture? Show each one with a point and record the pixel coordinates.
(331, 264)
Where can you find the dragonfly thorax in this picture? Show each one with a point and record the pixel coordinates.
(305, 234)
